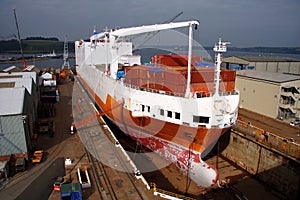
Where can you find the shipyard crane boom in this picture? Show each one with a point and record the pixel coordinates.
(19, 38)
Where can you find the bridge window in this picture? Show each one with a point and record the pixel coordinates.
(177, 115)
(148, 107)
(143, 108)
(169, 114)
(200, 119)
(162, 112)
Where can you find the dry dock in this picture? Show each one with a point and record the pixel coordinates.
(119, 181)
(250, 167)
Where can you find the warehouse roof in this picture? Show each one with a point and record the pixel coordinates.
(16, 83)
(267, 76)
(12, 69)
(246, 59)
(32, 75)
(11, 101)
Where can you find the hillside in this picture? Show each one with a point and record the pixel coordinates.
(37, 45)
(34, 46)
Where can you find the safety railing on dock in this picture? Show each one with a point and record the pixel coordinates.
(281, 144)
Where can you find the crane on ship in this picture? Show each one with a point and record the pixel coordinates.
(152, 34)
(114, 36)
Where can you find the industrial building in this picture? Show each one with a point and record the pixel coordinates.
(15, 111)
(263, 63)
(19, 96)
(276, 95)
(27, 83)
(32, 75)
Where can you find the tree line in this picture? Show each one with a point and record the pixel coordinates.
(34, 45)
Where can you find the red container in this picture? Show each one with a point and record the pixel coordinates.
(143, 73)
(156, 76)
(175, 77)
(228, 75)
(175, 88)
(202, 87)
(227, 86)
(202, 76)
(144, 83)
(174, 60)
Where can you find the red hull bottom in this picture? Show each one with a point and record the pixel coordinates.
(187, 161)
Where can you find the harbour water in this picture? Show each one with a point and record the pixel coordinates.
(146, 55)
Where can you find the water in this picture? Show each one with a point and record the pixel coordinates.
(146, 55)
(54, 63)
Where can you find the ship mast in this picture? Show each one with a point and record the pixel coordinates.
(219, 48)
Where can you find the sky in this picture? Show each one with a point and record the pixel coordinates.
(246, 23)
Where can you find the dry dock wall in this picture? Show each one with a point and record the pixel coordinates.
(271, 164)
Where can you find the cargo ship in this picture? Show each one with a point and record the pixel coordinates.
(172, 105)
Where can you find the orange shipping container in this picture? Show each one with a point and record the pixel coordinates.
(202, 76)
(175, 88)
(228, 75)
(174, 77)
(174, 60)
(202, 87)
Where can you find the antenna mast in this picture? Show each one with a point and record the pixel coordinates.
(220, 47)
(66, 55)
(19, 38)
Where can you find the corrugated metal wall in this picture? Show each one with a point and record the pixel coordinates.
(12, 139)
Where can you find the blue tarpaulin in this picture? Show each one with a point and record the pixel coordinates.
(235, 67)
(156, 70)
(120, 74)
(204, 64)
(71, 191)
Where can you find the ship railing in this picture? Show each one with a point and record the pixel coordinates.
(153, 90)
(163, 92)
(205, 94)
(288, 146)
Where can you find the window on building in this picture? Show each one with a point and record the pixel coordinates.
(148, 107)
